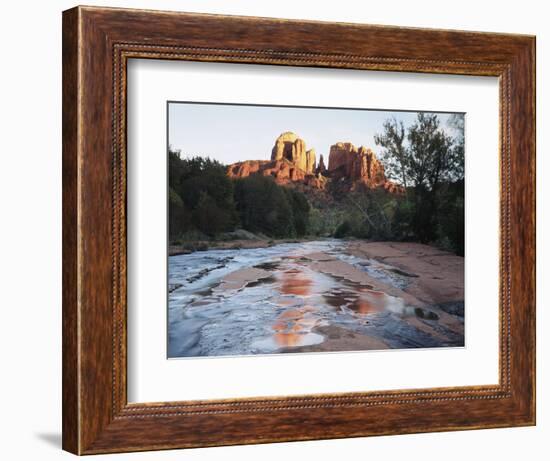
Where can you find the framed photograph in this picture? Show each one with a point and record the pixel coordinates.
(281, 230)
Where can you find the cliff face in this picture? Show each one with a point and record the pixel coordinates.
(291, 162)
(357, 164)
(289, 146)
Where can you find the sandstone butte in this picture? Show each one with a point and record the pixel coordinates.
(292, 163)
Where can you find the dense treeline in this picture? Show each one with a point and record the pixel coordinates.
(265, 207)
(423, 157)
(429, 161)
(378, 215)
(202, 199)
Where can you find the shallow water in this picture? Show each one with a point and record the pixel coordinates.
(287, 307)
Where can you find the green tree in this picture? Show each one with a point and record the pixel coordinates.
(199, 190)
(179, 217)
(300, 210)
(370, 213)
(451, 217)
(429, 158)
(394, 153)
(343, 230)
(263, 206)
(209, 217)
(456, 125)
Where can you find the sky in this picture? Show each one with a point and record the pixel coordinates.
(232, 133)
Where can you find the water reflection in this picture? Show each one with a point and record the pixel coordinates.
(294, 302)
(310, 299)
(333, 300)
(295, 282)
(293, 327)
(367, 305)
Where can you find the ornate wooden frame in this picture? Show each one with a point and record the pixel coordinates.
(97, 43)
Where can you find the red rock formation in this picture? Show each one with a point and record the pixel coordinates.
(244, 169)
(358, 165)
(316, 181)
(283, 171)
(288, 146)
(292, 163)
(310, 161)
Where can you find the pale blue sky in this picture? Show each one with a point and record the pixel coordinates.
(232, 133)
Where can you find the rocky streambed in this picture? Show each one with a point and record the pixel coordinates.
(316, 296)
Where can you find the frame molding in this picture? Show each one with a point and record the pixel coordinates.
(97, 43)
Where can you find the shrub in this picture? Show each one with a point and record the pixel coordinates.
(343, 230)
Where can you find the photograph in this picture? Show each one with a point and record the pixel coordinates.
(298, 229)
(275, 230)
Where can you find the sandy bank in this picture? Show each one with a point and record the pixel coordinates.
(435, 276)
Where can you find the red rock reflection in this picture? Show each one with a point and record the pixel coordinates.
(292, 326)
(295, 282)
(369, 302)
